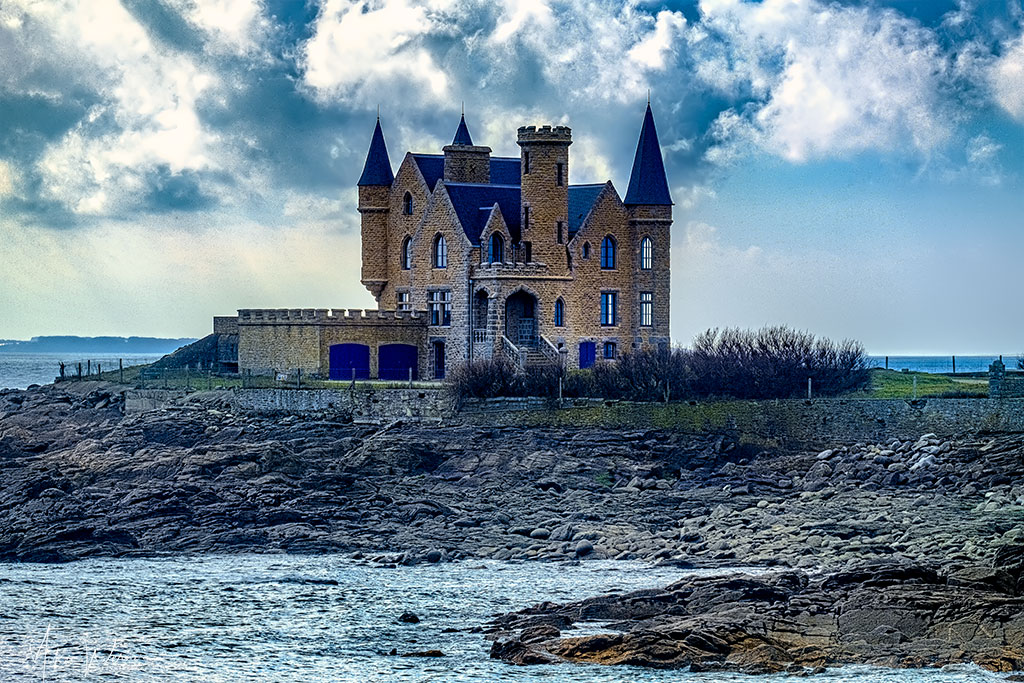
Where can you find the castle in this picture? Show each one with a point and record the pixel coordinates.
(471, 256)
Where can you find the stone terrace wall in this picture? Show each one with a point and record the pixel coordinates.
(791, 420)
(361, 405)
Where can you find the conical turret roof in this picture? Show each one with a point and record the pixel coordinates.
(647, 182)
(462, 134)
(377, 169)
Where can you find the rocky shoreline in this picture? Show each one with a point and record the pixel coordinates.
(79, 478)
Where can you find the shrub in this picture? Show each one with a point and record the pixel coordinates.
(773, 362)
(1020, 362)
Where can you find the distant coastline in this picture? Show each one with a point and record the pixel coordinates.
(85, 345)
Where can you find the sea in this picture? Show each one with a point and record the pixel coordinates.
(329, 618)
(19, 370)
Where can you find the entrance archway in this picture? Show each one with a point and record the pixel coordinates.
(521, 318)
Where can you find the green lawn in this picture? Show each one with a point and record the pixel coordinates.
(893, 384)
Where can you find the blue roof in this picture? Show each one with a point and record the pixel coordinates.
(473, 203)
(462, 134)
(504, 170)
(647, 182)
(377, 169)
(581, 199)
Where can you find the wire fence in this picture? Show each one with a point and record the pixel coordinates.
(199, 379)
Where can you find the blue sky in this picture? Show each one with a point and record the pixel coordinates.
(852, 168)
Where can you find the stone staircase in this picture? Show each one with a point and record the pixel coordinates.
(534, 357)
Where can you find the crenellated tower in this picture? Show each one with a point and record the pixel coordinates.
(649, 207)
(374, 192)
(544, 159)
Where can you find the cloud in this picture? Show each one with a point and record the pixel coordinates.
(357, 45)
(823, 79)
(1007, 76)
(7, 179)
(237, 27)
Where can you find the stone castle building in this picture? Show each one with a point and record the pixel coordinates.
(470, 256)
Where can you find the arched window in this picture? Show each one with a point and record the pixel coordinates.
(646, 254)
(608, 253)
(586, 250)
(496, 249)
(407, 253)
(407, 204)
(559, 313)
(440, 252)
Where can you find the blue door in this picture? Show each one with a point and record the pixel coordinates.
(588, 350)
(350, 361)
(395, 360)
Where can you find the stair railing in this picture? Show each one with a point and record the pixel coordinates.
(549, 350)
(513, 352)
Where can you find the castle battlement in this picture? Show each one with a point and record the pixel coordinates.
(559, 134)
(326, 316)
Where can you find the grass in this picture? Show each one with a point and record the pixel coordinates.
(893, 384)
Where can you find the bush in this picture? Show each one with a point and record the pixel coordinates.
(1020, 362)
(773, 362)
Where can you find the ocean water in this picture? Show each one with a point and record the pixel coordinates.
(19, 370)
(942, 363)
(297, 618)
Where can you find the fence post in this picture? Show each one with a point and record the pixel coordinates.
(88, 368)
(298, 378)
(79, 371)
(954, 365)
(164, 370)
(915, 387)
(209, 380)
(410, 377)
(887, 362)
(99, 371)
(352, 371)
(188, 379)
(808, 388)
(120, 369)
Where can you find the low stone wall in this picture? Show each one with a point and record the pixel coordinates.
(361, 405)
(793, 420)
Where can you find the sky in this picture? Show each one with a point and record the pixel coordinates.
(851, 168)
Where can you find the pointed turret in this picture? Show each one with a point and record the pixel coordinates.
(464, 162)
(647, 182)
(377, 169)
(462, 134)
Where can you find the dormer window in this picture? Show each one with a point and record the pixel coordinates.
(407, 204)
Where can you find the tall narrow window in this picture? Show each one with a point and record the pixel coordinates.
(559, 313)
(496, 249)
(440, 252)
(646, 254)
(646, 309)
(407, 204)
(609, 308)
(527, 252)
(526, 218)
(407, 253)
(586, 250)
(608, 253)
(559, 228)
(404, 301)
(559, 174)
(439, 305)
(526, 162)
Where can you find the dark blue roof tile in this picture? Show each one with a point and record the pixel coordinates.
(647, 182)
(581, 200)
(377, 169)
(431, 166)
(462, 134)
(504, 170)
(473, 203)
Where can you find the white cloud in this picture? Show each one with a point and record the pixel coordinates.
(8, 179)
(235, 26)
(1007, 77)
(358, 45)
(827, 79)
(147, 118)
